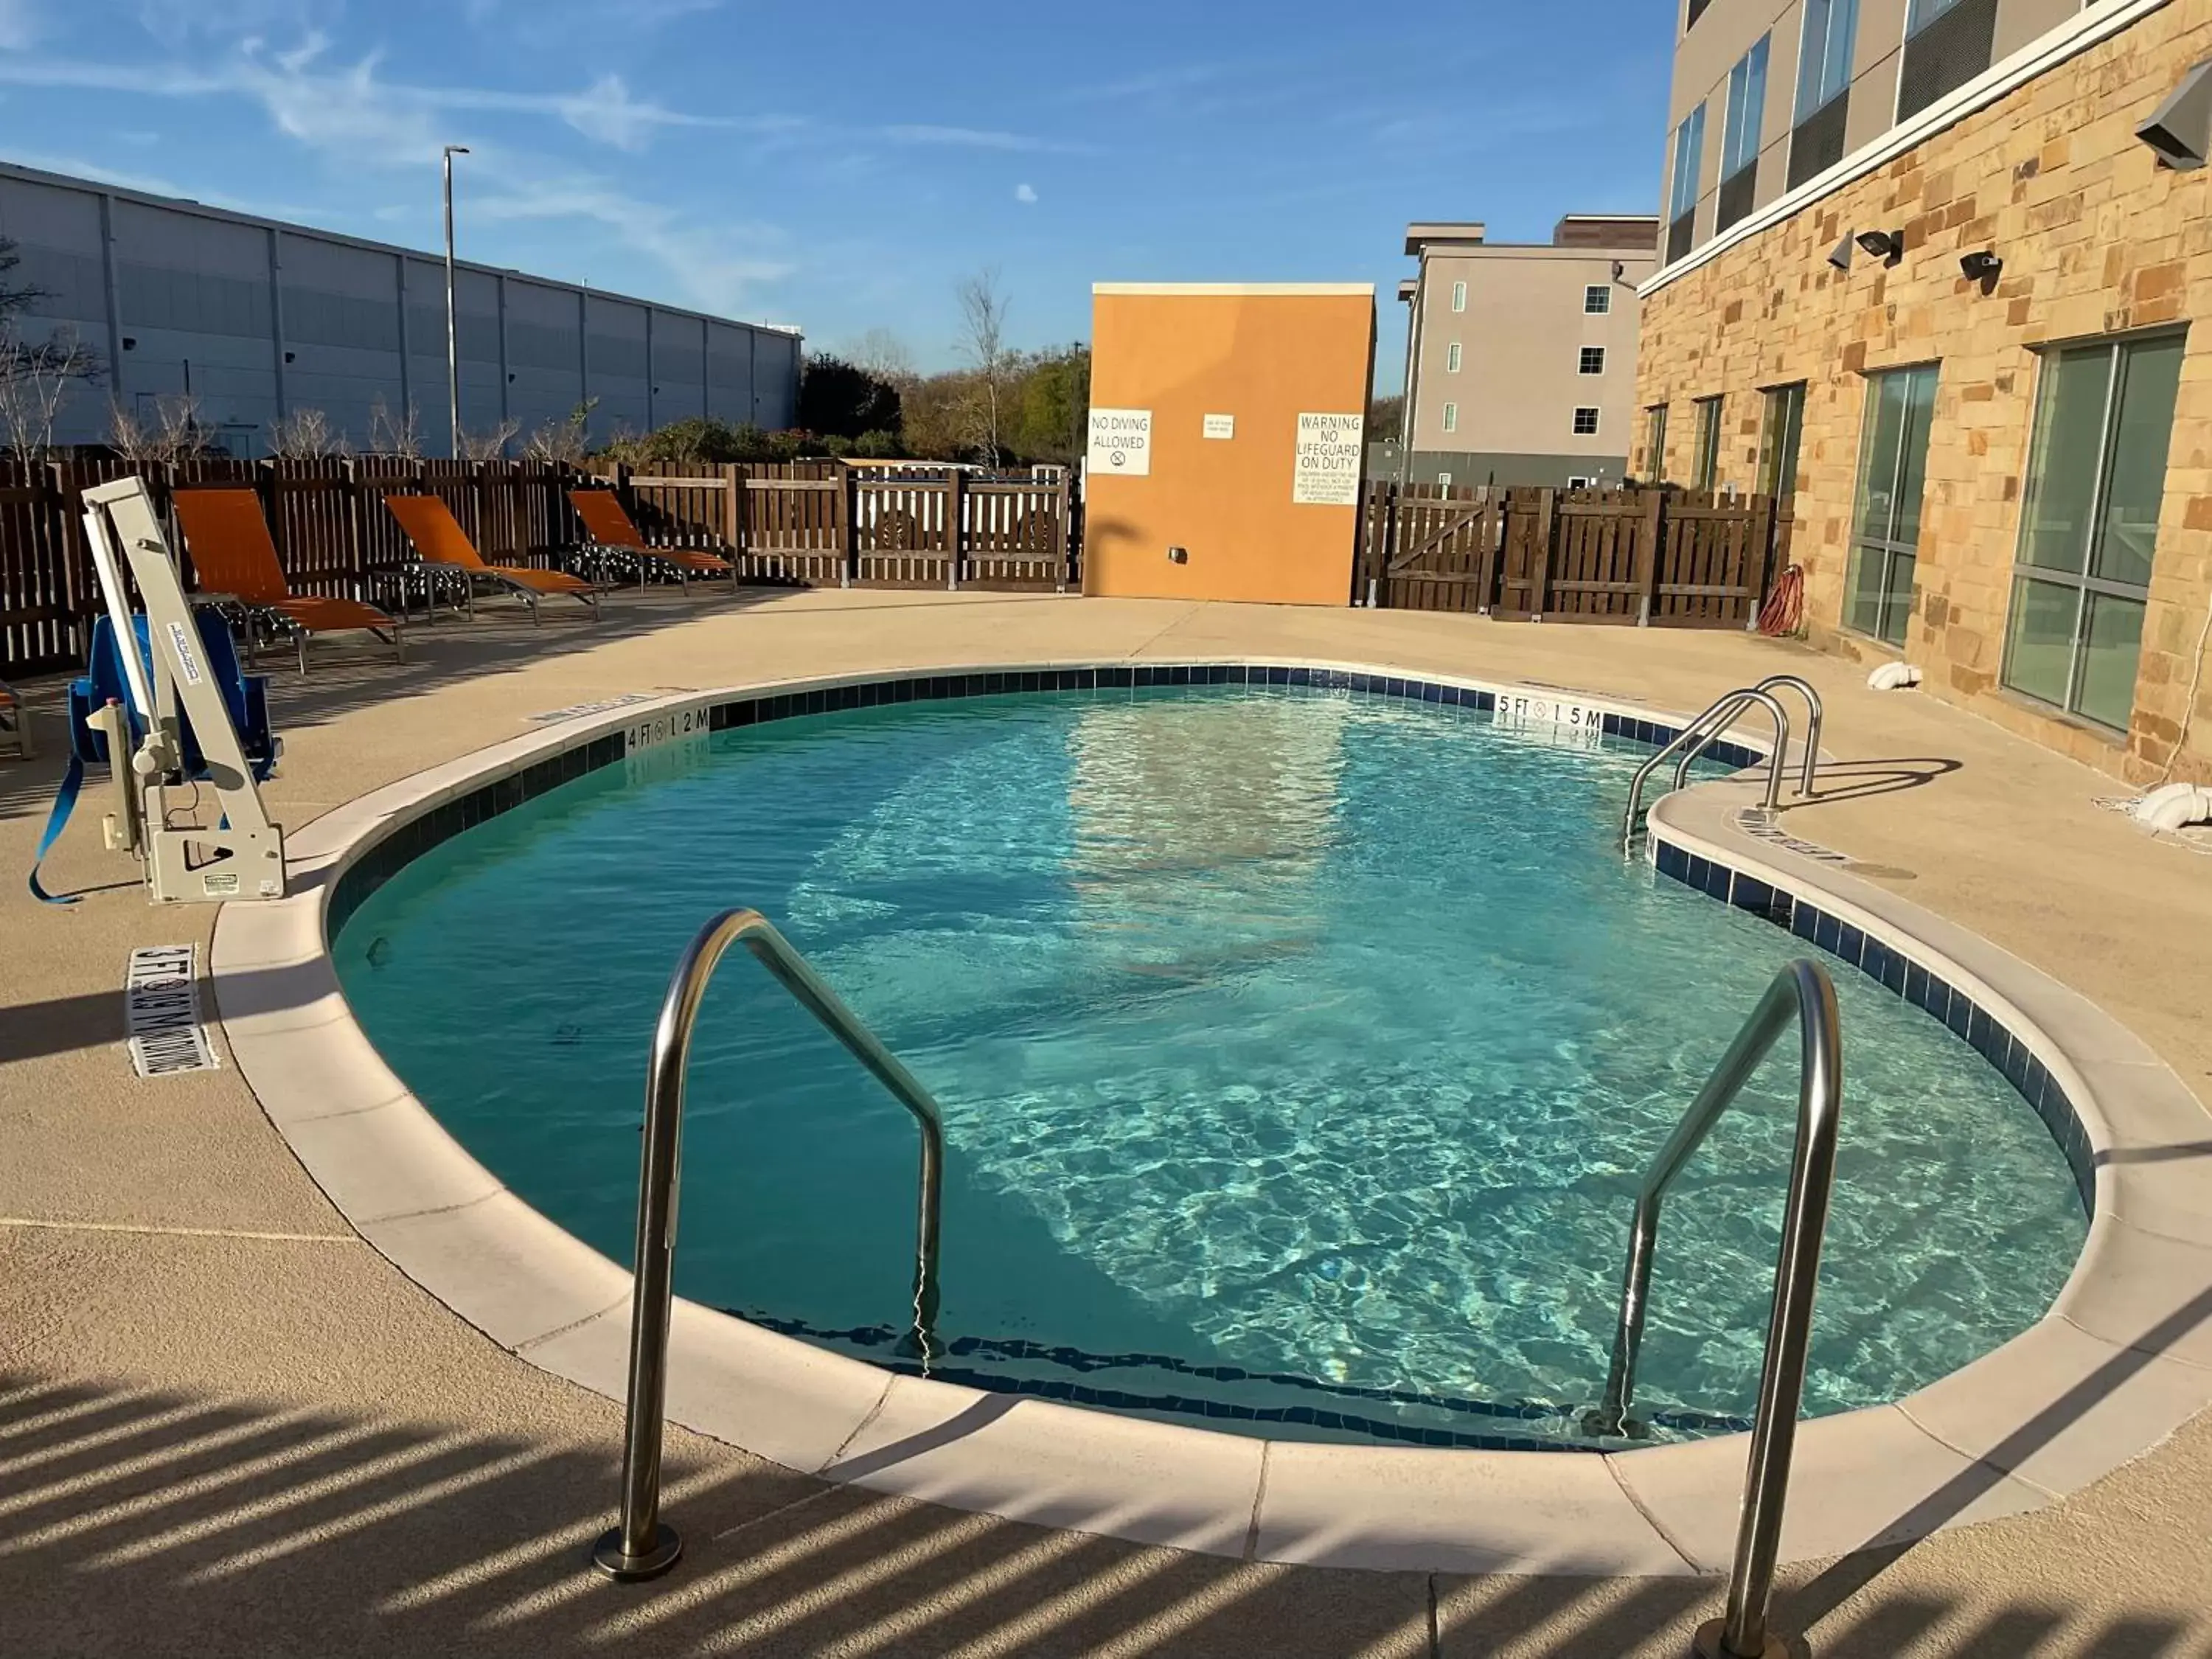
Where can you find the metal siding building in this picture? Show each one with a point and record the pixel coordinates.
(255, 318)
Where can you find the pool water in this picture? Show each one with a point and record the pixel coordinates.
(1299, 1054)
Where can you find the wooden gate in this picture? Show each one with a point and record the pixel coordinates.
(1441, 550)
(1713, 562)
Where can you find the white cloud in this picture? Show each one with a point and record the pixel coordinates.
(715, 268)
(972, 138)
(1025, 194)
(20, 25)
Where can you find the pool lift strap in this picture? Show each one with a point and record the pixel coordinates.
(170, 684)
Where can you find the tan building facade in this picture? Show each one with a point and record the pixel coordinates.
(1521, 358)
(2001, 472)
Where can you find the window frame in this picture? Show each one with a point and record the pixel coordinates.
(1706, 460)
(1919, 14)
(1743, 118)
(1690, 148)
(1450, 417)
(1829, 10)
(1887, 547)
(1451, 357)
(1459, 296)
(1597, 299)
(1586, 356)
(1789, 398)
(2084, 586)
(1597, 419)
(1655, 442)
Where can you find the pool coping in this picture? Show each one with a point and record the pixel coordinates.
(2124, 1357)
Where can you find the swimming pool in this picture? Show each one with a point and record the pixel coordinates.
(1300, 1054)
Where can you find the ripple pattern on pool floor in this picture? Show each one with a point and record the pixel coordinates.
(1299, 1033)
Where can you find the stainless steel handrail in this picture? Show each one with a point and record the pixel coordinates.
(1802, 993)
(1815, 715)
(641, 1546)
(1736, 701)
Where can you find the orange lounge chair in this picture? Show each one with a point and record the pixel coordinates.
(440, 541)
(612, 532)
(235, 561)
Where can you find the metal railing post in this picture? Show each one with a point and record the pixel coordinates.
(1701, 733)
(1815, 716)
(641, 1545)
(1803, 992)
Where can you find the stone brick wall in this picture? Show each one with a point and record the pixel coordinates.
(2096, 239)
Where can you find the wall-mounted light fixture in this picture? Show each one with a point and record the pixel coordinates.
(1840, 255)
(1619, 270)
(1983, 267)
(290, 356)
(1886, 245)
(2180, 130)
(131, 342)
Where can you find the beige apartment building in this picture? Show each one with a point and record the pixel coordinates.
(1521, 358)
(1941, 270)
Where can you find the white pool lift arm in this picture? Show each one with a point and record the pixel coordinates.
(242, 855)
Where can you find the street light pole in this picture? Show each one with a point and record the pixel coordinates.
(453, 339)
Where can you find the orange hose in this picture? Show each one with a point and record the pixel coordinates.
(1784, 613)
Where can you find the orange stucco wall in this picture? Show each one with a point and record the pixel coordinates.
(1265, 359)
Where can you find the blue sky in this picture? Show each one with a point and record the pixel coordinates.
(841, 165)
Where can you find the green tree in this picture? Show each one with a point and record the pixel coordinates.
(838, 398)
(1052, 400)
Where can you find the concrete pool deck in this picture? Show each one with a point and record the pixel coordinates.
(230, 1425)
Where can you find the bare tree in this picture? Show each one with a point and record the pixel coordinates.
(883, 354)
(488, 445)
(37, 368)
(305, 434)
(395, 435)
(564, 442)
(983, 322)
(164, 428)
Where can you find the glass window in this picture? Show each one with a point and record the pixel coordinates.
(1747, 103)
(1823, 63)
(1451, 358)
(1655, 442)
(1779, 434)
(1886, 534)
(1597, 299)
(2096, 479)
(1924, 12)
(1706, 466)
(1592, 361)
(1689, 158)
(1459, 296)
(1451, 417)
(1586, 422)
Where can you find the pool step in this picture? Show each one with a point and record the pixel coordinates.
(1295, 1407)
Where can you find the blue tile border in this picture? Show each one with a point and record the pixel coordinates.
(1921, 987)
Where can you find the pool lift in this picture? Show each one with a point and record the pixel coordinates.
(176, 727)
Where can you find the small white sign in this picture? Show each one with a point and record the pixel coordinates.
(1121, 442)
(693, 722)
(1329, 460)
(1221, 426)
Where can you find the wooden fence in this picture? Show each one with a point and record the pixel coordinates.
(805, 523)
(1651, 558)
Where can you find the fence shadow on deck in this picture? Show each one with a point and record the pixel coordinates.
(159, 1522)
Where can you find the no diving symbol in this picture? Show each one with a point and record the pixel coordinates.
(1119, 459)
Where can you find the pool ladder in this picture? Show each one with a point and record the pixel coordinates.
(1702, 732)
(1803, 994)
(642, 1545)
